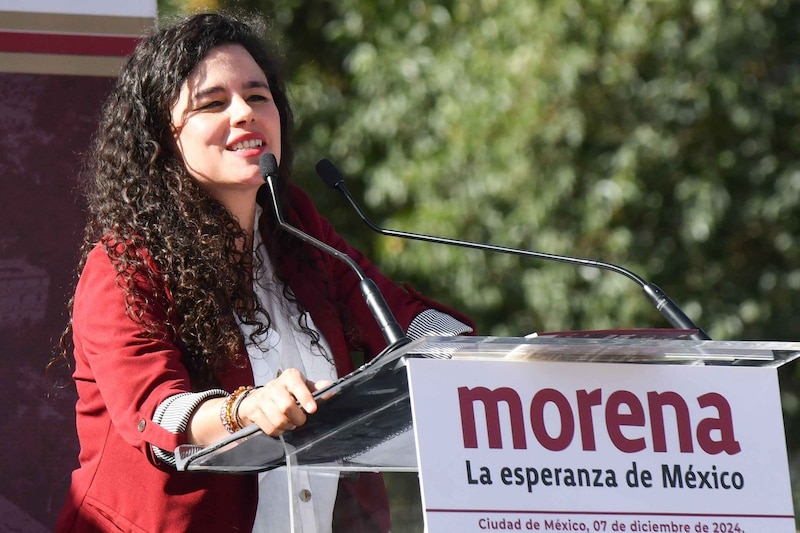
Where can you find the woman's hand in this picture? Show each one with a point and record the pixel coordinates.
(279, 406)
(282, 404)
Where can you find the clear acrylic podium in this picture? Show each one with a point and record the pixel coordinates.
(364, 421)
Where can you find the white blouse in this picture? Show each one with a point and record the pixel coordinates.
(284, 345)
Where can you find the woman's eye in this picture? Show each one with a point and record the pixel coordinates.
(209, 105)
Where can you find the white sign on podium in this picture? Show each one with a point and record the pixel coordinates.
(555, 446)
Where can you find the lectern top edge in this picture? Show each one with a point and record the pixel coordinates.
(618, 346)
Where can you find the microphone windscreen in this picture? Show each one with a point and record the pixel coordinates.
(267, 164)
(329, 173)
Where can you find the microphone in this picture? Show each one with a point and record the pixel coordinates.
(658, 298)
(391, 330)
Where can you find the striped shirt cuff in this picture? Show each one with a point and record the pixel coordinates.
(173, 414)
(433, 323)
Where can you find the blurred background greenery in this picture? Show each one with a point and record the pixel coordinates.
(662, 135)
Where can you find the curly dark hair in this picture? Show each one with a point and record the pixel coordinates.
(157, 224)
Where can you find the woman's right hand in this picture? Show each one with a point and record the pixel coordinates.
(282, 404)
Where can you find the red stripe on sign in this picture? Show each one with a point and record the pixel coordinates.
(68, 44)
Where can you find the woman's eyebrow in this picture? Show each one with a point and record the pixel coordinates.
(254, 84)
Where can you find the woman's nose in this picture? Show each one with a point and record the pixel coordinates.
(241, 111)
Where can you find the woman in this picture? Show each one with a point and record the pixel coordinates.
(194, 315)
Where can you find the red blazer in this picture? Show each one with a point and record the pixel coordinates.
(122, 375)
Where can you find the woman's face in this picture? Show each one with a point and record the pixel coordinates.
(224, 120)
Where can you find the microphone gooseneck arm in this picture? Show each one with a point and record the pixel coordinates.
(390, 328)
(658, 298)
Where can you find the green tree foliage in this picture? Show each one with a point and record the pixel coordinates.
(659, 135)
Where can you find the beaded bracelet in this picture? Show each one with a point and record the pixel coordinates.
(226, 413)
(237, 403)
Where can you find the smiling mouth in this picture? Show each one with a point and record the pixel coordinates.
(247, 145)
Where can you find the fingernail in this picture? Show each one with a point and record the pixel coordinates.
(309, 406)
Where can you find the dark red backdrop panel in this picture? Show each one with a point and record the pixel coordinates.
(46, 122)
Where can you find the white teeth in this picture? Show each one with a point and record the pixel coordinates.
(247, 145)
